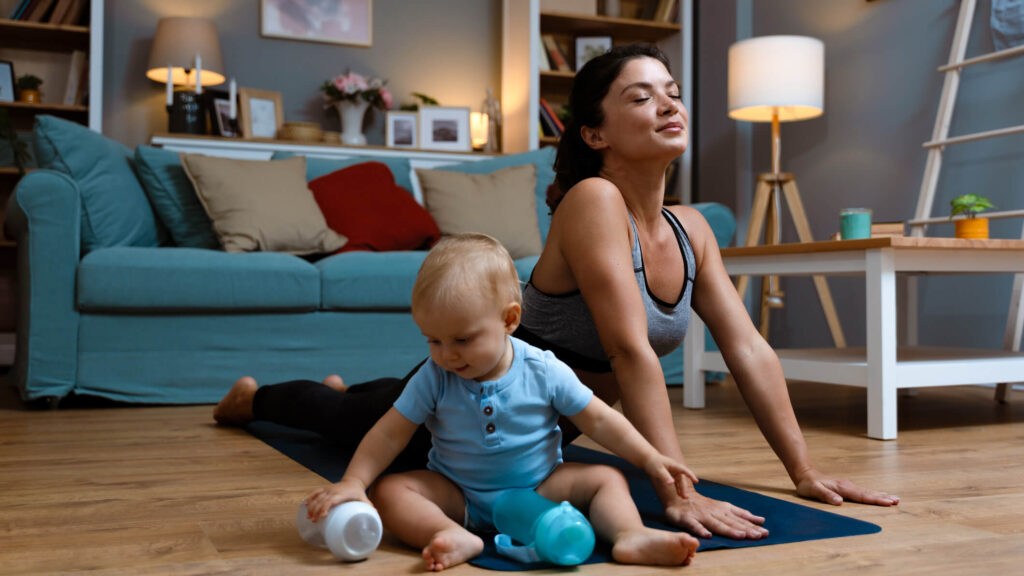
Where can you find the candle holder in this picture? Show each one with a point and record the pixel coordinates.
(186, 114)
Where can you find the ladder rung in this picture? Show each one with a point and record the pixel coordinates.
(983, 58)
(948, 220)
(975, 136)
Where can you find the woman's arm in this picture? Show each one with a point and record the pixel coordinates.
(381, 445)
(757, 371)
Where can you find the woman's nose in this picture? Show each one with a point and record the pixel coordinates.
(669, 105)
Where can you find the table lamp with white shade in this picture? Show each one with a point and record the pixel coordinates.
(186, 52)
(779, 79)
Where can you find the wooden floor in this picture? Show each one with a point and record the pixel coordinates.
(163, 490)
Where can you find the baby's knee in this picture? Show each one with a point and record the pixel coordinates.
(608, 476)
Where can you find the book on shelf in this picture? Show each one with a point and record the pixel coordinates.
(887, 230)
(20, 11)
(543, 64)
(665, 10)
(554, 117)
(71, 89)
(558, 59)
(40, 10)
(74, 15)
(60, 10)
(548, 124)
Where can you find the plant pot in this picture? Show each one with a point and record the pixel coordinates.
(352, 113)
(29, 96)
(972, 228)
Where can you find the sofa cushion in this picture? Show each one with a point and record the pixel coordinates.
(501, 204)
(317, 167)
(115, 211)
(376, 281)
(543, 159)
(260, 205)
(173, 198)
(189, 279)
(363, 204)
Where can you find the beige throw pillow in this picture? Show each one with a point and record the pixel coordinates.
(501, 204)
(260, 205)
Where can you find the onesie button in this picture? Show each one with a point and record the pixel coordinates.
(490, 427)
(488, 411)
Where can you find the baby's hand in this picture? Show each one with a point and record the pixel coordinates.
(320, 502)
(670, 471)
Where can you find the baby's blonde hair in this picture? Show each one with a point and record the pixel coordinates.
(466, 263)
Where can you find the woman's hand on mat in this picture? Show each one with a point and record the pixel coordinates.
(705, 517)
(814, 484)
(320, 502)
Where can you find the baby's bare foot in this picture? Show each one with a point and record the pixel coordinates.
(451, 547)
(335, 381)
(235, 408)
(654, 547)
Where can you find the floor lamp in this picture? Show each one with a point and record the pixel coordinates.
(779, 79)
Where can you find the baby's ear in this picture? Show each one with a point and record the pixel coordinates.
(512, 314)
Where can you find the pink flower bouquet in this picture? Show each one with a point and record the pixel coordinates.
(354, 86)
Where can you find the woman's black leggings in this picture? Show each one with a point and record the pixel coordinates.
(345, 417)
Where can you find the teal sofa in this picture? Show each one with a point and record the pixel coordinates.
(110, 307)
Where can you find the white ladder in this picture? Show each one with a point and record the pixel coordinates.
(940, 139)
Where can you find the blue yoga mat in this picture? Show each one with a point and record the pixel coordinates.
(785, 521)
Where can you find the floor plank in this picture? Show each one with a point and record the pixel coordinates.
(156, 490)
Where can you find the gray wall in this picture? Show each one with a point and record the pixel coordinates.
(449, 49)
(881, 97)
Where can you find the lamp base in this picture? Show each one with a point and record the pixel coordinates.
(186, 115)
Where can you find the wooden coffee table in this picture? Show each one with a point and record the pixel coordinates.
(881, 366)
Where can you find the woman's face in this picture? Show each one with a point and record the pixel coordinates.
(644, 113)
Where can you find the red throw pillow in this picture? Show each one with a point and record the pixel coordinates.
(363, 203)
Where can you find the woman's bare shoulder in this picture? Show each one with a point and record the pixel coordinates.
(697, 228)
(589, 200)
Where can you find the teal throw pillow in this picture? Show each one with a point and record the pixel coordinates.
(317, 167)
(173, 198)
(543, 159)
(115, 211)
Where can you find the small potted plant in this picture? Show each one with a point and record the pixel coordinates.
(28, 88)
(970, 205)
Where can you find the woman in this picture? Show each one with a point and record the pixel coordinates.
(611, 292)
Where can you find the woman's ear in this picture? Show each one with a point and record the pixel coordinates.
(592, 137)
(512, 314)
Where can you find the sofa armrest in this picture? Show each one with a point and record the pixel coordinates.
(721, 220)
(44, 217)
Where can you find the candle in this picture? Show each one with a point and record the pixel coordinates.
(232, 96)
(170, 87)
(199, 74)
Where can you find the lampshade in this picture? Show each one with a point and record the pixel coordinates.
(783, 74)
(176, 43)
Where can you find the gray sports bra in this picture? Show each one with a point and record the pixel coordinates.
(562, 322)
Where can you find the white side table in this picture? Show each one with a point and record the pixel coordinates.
(881, 366)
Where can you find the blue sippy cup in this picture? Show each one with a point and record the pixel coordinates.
(556, 533)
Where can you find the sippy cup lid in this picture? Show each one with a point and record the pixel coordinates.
(564, 536)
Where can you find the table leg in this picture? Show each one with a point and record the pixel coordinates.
(880, 287)
(693, 373)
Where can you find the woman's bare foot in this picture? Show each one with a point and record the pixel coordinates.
(654, 547)
(235, 408)
(335, 381)
(451, 547)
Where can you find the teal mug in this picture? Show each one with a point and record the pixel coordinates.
(854, 223)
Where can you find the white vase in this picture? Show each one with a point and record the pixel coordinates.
(351, 113)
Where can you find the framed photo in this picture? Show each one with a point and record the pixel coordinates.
(400, 130)
(6, 81)
(332, 21)
(218, 109)
(588, 47)
(261, 113)
(444, 128)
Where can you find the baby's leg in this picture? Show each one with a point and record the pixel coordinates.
(425, 509)
(602, 493)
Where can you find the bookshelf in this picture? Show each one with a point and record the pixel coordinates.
(524, 82)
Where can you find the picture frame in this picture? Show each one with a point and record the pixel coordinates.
(588, 47)
(444, 128)
(218, 111)
(346, 22)
(7, 81)
(401, 129)
(260, 113)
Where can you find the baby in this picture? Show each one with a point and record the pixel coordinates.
(491, 403)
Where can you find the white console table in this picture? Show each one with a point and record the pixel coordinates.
(881, 366)
(263, 149)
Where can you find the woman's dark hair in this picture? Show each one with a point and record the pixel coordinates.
(576, 160)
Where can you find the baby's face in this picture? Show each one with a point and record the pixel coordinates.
(469, 339)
